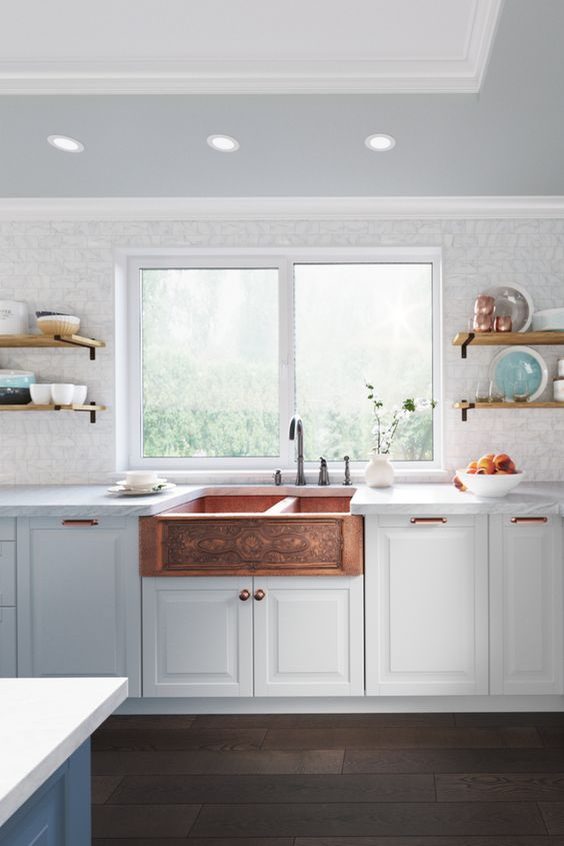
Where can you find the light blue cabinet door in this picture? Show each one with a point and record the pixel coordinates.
(7, 642)
(58, 814)
(78, 588)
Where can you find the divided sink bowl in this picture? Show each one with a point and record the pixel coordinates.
(254, 534)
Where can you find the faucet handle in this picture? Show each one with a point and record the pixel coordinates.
(277, 476)
(323, 472)
(347, 480)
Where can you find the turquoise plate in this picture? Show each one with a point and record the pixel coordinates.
(519, 362)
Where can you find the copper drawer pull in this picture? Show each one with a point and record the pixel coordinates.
(79, 522)
(244, 595)
(260, 594)
(428, 521)
(529, 519)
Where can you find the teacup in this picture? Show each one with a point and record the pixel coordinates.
(62, 394)
(79, 394)
(141, 478)
(40, 394)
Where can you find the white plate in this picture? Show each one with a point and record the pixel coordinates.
(519, 303)
(118, 489)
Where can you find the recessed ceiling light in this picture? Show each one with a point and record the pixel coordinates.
(380, 142)
(223, 143)
(65, 143)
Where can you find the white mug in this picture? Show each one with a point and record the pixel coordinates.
(561, 368)
(62, 394)
(558, 389)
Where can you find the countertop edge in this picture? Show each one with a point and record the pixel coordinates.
(90, 501)
(26, 787)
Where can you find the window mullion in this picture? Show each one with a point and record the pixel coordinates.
(286, 385)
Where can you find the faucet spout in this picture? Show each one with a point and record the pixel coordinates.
(297, 433)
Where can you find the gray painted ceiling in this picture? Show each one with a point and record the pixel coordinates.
(508, 140)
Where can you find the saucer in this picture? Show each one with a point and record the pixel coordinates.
(161, 486)
(137, 488)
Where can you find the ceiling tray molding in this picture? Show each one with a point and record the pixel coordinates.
(280, 208)
(404, 66)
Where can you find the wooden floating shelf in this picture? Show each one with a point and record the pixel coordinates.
(60, 341)
(465, 406)
(92, 408)
(501, 339)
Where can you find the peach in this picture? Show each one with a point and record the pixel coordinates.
(472, 467)
(488, 455)
(458, 484)
(503, 463)
(486, 466)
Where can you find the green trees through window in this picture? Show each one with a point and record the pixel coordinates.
(210, 357)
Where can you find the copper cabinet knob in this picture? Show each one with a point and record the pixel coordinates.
(260, 594)
(244, 595)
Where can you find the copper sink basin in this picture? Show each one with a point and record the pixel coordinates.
(313, 505)
(227, 504)
(242, 534)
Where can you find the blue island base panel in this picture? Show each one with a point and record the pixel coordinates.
(58, 813)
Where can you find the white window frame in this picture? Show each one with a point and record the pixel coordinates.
(128, 352)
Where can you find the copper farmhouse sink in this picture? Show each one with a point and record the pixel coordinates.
(240, 534)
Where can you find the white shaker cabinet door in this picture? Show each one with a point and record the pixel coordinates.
(7, 642)
(78, 589)
(426, 606)
(197, 636)
(526, 604)
(309, 636)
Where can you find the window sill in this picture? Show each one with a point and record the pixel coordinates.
(264, 477)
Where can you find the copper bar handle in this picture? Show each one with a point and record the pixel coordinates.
(529, 519)
(259, 595)
(244, 595)
(79, 522)
(428, 521)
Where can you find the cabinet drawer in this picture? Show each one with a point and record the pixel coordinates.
(7, 528)
(7, 573)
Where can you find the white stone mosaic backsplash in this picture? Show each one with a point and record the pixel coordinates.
(71, 266)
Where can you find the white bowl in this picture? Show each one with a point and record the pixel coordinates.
(59, 324)
(549, 320)
(496, 485)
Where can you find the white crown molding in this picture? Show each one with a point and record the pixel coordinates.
(279, 208)
(463, 74)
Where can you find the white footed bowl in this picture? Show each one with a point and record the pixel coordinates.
(495, 485)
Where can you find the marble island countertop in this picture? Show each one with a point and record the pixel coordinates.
(421, 498)
(42, 722)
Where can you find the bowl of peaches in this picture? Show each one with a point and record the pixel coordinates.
(490, 476)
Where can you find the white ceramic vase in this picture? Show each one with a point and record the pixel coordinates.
(379, 472)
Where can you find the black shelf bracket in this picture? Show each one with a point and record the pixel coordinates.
(92, 411)
(464, 345)
(466, 409)
(75, 344)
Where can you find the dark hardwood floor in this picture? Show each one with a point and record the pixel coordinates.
(330, 780)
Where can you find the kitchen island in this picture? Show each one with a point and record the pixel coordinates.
(45, 728)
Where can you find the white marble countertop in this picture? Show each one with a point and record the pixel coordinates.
(42, 722)
(423, 498)
(535, 498)
(86, 501)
